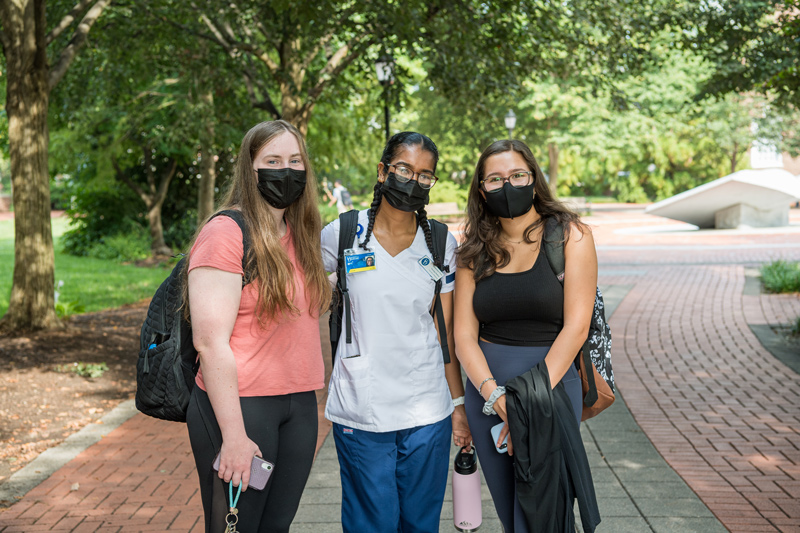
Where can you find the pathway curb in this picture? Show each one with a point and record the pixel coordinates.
(50, 460)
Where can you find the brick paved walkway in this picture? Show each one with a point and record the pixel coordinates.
(718, 407)
(721, 410)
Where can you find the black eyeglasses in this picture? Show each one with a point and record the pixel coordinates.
(517, 179)
(405, 174)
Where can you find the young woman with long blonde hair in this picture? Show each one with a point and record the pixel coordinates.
(257, 334)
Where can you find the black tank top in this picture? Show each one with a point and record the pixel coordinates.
(520, 309)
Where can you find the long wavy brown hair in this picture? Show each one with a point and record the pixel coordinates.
(268, 261)
(482, 250)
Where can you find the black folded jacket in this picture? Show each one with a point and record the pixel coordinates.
(550, 464)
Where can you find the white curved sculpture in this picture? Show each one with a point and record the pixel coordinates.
(748, 198)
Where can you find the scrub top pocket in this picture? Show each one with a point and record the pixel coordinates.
(352, 397)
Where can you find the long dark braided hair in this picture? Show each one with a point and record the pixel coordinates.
(405, 138)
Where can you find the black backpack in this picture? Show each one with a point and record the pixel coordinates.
(597, 348)
(347, 200)
(168, 364)
(340, 310)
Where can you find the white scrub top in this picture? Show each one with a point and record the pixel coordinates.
(391, 377)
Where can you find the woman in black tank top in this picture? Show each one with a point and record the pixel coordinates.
(511, 311)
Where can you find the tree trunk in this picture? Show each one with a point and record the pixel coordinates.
(552, 166)
(208, 180)
(157, 246)
(208, 167)
(734, 157)
(32, 303)
(293, 109)
(153, 197)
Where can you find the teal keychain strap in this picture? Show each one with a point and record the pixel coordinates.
(233, 515)
(230, 494)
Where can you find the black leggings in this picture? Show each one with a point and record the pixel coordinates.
(285, 429)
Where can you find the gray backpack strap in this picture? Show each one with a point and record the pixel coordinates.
(554, 250)
(554, 247)
(439, 237)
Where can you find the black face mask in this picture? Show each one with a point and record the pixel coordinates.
(407, 197)
(510, 201)
(281, 187)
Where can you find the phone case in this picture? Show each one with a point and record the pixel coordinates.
(260, 470)
(496, 435)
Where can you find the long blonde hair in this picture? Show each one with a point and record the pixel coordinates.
(268, 259)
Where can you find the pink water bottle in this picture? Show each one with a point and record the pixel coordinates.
(467, 514)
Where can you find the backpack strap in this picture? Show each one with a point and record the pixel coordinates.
(348, 225)
(439, 237)
(554, 247)
(238, 217)
(554, 250)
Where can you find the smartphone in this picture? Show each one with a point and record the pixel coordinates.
(260, 470)
(496, 435)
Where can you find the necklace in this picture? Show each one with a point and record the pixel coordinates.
(510, 241)
(515, 242)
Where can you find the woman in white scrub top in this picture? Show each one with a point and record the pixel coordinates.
(391, 397)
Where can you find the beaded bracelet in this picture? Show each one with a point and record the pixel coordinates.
(484, 381)
(488, 407)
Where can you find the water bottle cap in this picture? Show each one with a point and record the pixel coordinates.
(466, 462)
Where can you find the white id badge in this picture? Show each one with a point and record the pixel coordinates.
(427, 265)
(358, 262)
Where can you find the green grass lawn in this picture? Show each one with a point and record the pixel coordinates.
(93, 283)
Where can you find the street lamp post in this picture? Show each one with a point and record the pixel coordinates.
(384, 68)
(511, 121)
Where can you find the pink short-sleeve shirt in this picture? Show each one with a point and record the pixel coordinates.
(282, 356)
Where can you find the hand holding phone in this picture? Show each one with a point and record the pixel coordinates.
(503, 448)
(260, 471)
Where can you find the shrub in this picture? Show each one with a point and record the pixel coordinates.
(781, 276)
(128, 246)
(97, 214)
(130, 242)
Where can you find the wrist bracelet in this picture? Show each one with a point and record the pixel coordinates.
(488, 407)
(458, 401)
(484, 381)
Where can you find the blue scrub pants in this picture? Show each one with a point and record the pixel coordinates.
(393, 482)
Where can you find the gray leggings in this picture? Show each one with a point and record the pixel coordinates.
(285, 429)
(505, 363)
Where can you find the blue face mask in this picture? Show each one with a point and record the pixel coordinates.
(281, 187)
(510, 201)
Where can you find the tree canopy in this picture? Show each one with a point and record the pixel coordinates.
(143, 114)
